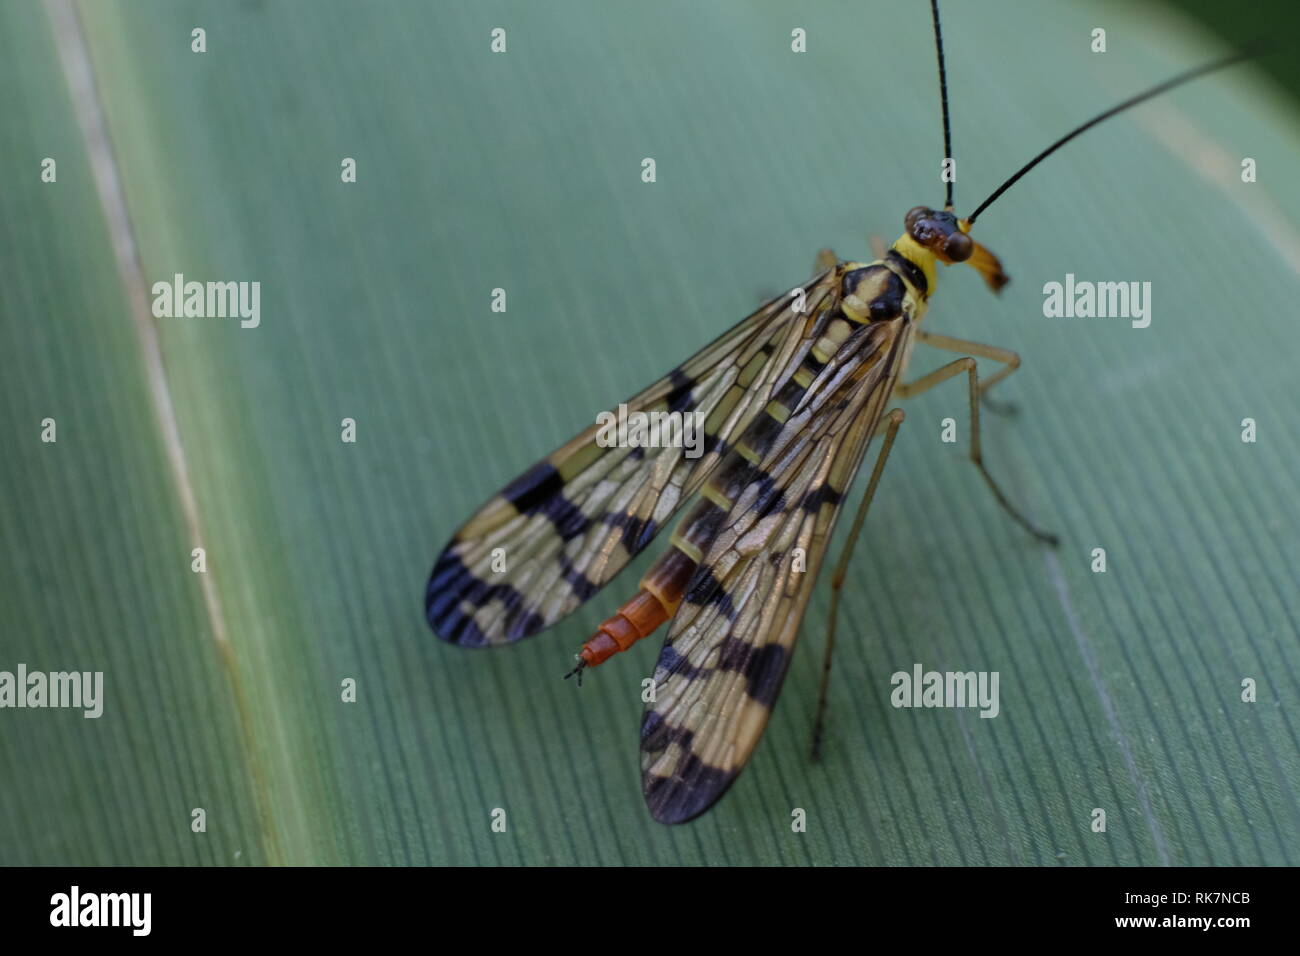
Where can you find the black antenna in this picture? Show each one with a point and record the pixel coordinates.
(943, 95)
(1131, 101)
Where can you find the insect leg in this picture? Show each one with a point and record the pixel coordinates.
(826, 259)
(1009, 359)
(889, 423)
(942, 374)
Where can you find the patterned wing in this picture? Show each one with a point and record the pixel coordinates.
(726, 655)
(575, 519)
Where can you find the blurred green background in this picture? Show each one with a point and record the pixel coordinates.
(1118, 690)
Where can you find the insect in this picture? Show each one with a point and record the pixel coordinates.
(790, 398)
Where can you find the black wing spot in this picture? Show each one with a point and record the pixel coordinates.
(636, 532)
(706, 589)
(657, 734)
(690, 791)
(540, 490)
(764, 672)
(676, 665)
(450, 584)
(568, 519)
(763, 667)
(825, 495)
(534, 488)
(680, 397)
(583, 587)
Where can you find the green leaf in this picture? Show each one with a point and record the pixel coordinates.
(521, 170)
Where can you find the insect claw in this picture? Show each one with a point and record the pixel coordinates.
(582, 666)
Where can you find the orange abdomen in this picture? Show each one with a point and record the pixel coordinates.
(661, 592)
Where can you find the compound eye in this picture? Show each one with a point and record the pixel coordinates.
(959, 247)
(914, 215)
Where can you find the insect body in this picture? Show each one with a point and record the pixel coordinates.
(791, 397)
